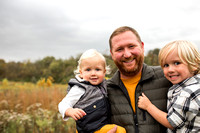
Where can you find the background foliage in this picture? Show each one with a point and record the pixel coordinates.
(60, 70)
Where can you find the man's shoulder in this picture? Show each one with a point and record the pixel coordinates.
(157, 70)
(153, 70)
(115, 78)
(110, 82)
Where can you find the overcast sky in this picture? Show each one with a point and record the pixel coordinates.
(34, 29)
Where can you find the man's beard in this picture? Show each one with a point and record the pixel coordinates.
(131, 71)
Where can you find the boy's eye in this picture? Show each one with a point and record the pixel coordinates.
(165, 65)
(177, 63)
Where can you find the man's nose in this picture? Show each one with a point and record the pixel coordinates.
(127, 53)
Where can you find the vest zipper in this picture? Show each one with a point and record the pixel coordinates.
(141, 91)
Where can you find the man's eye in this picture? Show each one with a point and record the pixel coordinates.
(165, 65)
(119, 49)
(131, 46)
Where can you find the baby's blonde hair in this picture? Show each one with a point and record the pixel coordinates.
(91, 53)
(187, 52)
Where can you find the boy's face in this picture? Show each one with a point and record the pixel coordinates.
(174, 69)
(93, 70)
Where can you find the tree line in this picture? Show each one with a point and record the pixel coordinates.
(60, 70)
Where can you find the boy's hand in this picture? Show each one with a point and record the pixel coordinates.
(143, 102)
(75, 113)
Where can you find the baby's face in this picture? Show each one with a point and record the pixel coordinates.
(93, 70)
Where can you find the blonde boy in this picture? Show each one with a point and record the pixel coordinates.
(180, 61)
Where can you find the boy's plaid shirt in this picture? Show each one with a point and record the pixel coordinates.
(184, 106)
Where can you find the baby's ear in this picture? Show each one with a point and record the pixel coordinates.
(80, 75)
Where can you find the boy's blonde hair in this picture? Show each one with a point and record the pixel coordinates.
(187, 52)
(91, 53)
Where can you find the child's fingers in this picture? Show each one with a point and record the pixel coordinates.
(82, 112)
(79, 114)
(143, 95)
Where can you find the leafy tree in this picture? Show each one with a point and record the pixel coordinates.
(152, 57)
(14, 71)
(2, 68)
(56, 69)
(43, 65)
(70, 67)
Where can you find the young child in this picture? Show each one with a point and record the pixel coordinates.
(180, 61)
(86, 101)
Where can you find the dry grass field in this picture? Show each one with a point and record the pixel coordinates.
(28, 107)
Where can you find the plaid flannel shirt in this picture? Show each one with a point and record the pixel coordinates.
(184, 106)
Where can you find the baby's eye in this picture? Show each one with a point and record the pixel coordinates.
(165, 65)
(177, 63)
(98, 69)
(88, 69)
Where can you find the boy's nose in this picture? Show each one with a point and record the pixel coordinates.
(170, 68)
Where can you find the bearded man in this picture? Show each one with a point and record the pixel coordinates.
(131, 79)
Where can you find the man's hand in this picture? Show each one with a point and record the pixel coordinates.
(75, 113)
(113, 130)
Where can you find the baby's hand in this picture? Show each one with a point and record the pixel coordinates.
(143, 102)
(75, 113)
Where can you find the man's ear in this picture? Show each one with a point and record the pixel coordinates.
(142, 43)
(111, 53)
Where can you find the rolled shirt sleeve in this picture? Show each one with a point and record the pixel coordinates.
(184, 109)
